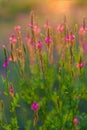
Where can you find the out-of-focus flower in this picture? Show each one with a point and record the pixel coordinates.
(31, 25)
(14, 59)
(76, 120)
(12, 39)
(84, 46)
(6, 63)
(80, 65)
(36, 29)
(28, 39)
(39, 45)
(46, 25)
(60, 28)
(82, 30)
(17, 28)
(48, 40)
(11, 91)
(69, 38)
(34, 106)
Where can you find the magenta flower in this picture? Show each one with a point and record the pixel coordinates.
(48, 40)
(17, 28)
(60, 28)
(39, 45)
(34, 106)
(76, 120)
(80, 65)
(12, 39)
(69, 38)
(6, 63)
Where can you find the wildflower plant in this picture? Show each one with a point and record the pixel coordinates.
(50, 85)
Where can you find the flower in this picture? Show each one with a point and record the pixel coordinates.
(48, 40)
(39, 45)
(17, 28)
(46, 25)
(5, 63)
(28, 39)
(69, 38)
(31, 25)
(11, 91)
(76, 120)
(34, 106)
(14, 58)
(36, 29)
(12, 39)
(60, 28)
(82, 30)
(80, 65)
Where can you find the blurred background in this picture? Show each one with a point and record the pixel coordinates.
(16, 12)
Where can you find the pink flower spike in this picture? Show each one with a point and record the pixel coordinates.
(36, 29)
(34, 106)
(84, 45)
(28, 39)
(12, 39)
(60, 28)
(17, 28)
(6, 63)
(39, 45)
(77, 65)
(48, 40)
(10, 59)
(31, 25)
(11, 91)
(76, 120)
(47, 26)
(82, 64)
(69, 38)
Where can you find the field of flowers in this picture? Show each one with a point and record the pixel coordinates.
(45, 81)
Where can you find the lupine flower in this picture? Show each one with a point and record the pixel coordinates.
(39, 44)
(48, 40)
(17, 28)
(36, 29)
(12, 39)
(76, 120)
(11, 91)
(34, 106)
(80, 65)
(60, 28)
(5, 63)
(69, 38)
(28, 39)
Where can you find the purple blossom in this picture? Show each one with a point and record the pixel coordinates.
(48, 40)
(34, 106)
(5, 63)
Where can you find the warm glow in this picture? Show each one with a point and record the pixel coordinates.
(61, 6)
